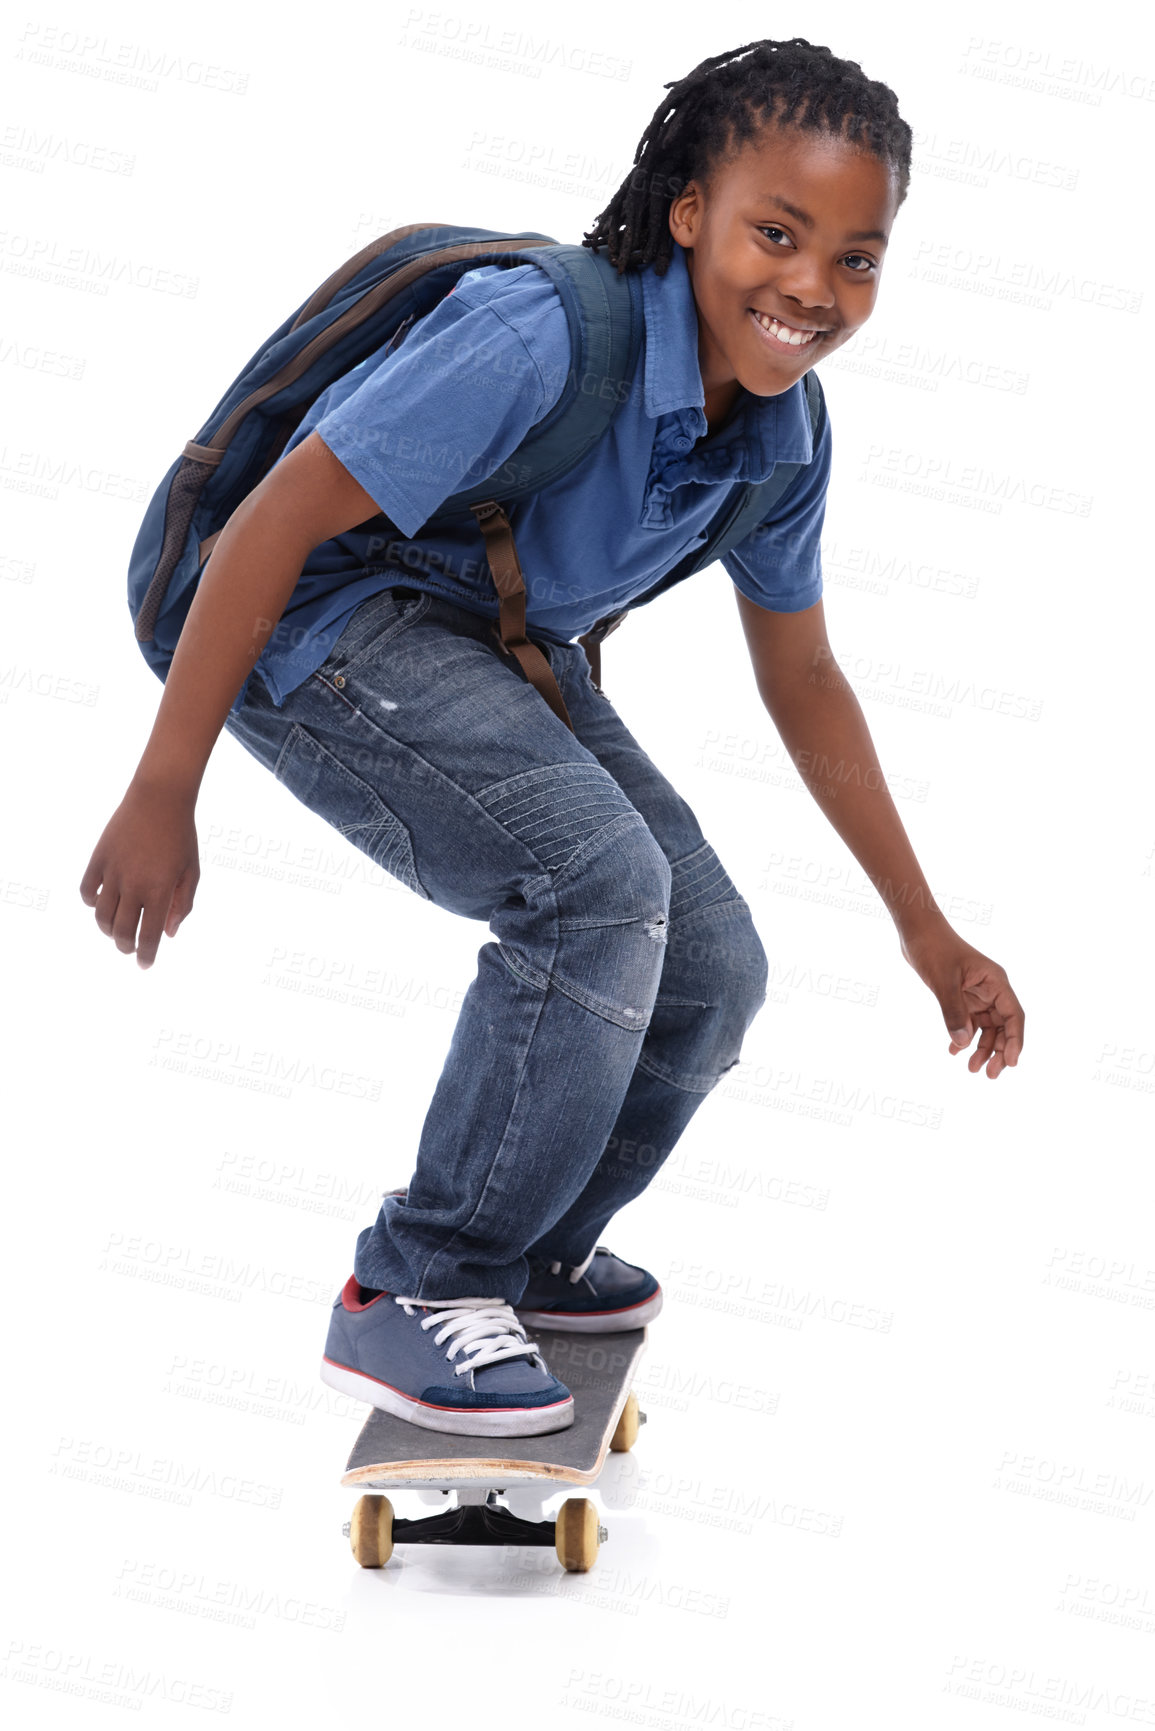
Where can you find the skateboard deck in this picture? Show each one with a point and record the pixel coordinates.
(392, 1454)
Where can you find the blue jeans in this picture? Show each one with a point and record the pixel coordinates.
(626, 967)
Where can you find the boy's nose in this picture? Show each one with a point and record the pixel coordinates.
(807, 286)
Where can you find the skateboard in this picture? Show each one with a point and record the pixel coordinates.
(475, 1470)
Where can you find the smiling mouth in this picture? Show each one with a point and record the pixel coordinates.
(783, 336)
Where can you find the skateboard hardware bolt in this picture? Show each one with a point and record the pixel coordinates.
(603, 1535)
(642, 1418)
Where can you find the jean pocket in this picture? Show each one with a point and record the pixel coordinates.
(375, 621)
(331, 789)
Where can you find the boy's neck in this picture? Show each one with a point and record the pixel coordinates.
(720, 406)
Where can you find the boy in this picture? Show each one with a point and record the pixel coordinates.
(627, 968)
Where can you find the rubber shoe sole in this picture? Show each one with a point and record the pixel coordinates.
(509, 1421)
(594, 1322)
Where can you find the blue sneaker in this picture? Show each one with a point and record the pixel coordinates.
(603, 1296)
(453, 1364)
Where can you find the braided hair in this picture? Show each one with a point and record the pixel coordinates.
(719, 107)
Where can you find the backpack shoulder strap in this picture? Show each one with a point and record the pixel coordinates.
(606, 320)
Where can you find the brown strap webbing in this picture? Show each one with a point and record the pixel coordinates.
(505, 568)
(593, 649)
(591, 642)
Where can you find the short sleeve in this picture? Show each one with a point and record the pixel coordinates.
(779, 564)
(457, 396)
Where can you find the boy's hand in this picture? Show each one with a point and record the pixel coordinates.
(973, 992)
(145, 864)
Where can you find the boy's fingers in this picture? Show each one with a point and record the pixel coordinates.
(984, 1049)
(182, 898)
(179, 909)
(979, 1056)
(1014, 1028)
(105, 905)
(90, 882)
(125, 924)
(152, 927)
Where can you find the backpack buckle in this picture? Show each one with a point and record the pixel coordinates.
(599, 632)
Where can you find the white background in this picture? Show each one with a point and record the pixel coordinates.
(898, 1470)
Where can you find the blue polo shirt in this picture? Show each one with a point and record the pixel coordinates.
(456, 399)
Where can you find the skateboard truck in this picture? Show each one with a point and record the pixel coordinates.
(478, 1519)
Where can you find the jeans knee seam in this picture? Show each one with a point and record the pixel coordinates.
(665, 1075)
(585, 1000)
(624, 819)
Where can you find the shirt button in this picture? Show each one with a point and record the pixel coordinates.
(682, 443)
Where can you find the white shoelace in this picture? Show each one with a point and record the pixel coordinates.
(575, 1274)
(487, 1328)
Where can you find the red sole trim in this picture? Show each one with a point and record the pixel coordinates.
(427, 1405)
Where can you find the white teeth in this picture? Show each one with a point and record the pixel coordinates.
(796, 339)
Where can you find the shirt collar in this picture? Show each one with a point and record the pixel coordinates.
(775, 429)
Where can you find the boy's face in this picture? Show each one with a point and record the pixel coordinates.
(794, 227)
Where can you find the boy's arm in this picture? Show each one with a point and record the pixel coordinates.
(252, 571)
(145, 869)
(822, 726)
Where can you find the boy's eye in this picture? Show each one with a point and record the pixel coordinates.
(865, 265)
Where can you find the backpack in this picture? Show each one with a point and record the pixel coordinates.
(369, 304)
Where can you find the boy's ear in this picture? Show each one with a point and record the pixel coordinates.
(685, 214)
